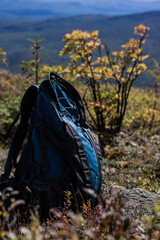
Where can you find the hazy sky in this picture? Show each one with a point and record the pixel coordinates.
(95, 1)
(108, 2)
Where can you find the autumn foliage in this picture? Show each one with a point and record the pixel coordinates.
(3, 56)
(108, 76)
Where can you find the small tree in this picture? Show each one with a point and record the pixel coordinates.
(33, 66)
(155, 71)
(108, 78)
(3, 57)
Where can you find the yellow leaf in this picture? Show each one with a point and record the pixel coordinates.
(95, 34)
(121, 54)
(141, 29)
(5, 214)
(144, 57)
(90, 44)
(142, 66)
(123, 80)
(2, 234)
(115, 53)
(129, 69)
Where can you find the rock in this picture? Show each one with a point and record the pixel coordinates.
(138, 202)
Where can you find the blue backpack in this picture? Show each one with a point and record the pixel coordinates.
(61, 152)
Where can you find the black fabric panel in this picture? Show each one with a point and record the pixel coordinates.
(58, 143)
(43, 146)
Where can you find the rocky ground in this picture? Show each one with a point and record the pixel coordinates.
(133, 161)
(131, 166)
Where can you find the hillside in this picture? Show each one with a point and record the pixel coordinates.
(113, 30)
(44, 9)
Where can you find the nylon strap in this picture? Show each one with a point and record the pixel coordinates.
(24, 160)
(96, 144)
(11, 126)
(82, 155)
(17, 141)
(27, 105)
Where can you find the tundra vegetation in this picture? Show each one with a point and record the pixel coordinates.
(127, 120)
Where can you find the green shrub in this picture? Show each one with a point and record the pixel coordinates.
(9, 108)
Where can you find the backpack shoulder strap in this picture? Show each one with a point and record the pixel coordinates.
(27, 104)
(5, 136)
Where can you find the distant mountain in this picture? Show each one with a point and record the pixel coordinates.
(32, 10)
(27, 9)
(45, 9)
(113, 30)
